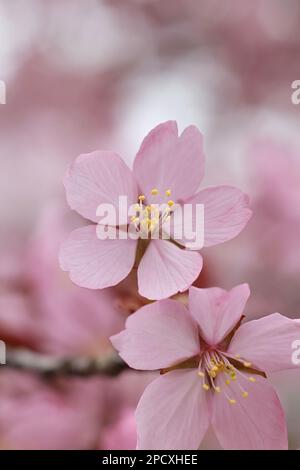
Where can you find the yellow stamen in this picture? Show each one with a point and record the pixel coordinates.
(218, 389)
(206, 387)
(232, 401)
(154, 192)
(201, 374)
(237, 356)
(168, 192)
(227, 382)
(247, 364)
(134, 219)
(170, 203)
(252, 379)
(141, 197)
(245, 394)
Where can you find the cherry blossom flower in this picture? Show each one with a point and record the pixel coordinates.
(167, 171)
(213, 371)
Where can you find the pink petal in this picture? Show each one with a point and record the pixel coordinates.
(95, 263)
(253, 423)
(267, 342)
(166, 161)
(217, 311)
(99, 178)
(226, 213)
(158, 336)
(173, 413)
(166, 269)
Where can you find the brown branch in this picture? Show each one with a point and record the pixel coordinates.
(109, 365)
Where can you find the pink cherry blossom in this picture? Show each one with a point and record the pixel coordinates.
(213, 371)
(168, 169)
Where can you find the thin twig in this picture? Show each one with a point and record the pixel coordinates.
(109, 365)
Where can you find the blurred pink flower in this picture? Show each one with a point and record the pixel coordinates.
(275, 179)
(267, 253)
(166, 164)
(208, 343)
(61, 414)
(41, 309)
(121, 435)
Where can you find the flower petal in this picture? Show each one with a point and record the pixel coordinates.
(96, 263)
(185, 226)
(167, 161)
(226, 213)
(158, 336)
(253, 423)
(267, 342)
(217, 311)
(99, 178)
(173, 413)
(166, 269)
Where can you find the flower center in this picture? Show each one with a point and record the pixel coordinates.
(149, 218)
(220, 375)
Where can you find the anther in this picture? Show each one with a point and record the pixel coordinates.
(252, 379)
(170, 203)
(154, 192)
(245, 394)
(218, 389)
(141, 197)
(168, 192)
(231, 401)
(247, 364)
(206, 387)
(201, 374)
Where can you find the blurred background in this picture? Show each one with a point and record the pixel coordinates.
(95, 74)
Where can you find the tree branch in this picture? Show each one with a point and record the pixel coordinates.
(109, 365)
